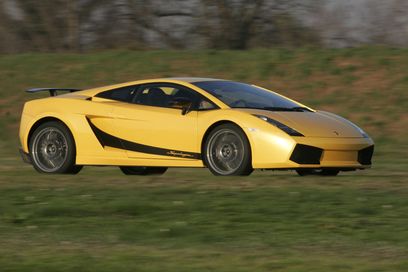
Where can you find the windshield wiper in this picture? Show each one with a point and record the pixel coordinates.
(299, 109)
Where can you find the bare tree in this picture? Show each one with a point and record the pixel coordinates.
(44, 25)
(73, 24)
(229, 24)
(239, 24)
(55, 25)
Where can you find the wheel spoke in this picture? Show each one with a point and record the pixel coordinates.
(227, 165)
(52, 163)
(49, 135)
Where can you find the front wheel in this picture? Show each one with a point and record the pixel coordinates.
(52, 149)
(142, 170)
(227, 151)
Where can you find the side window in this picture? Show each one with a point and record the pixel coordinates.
(124, 94)
(153, 96)
(205, 104)
(171, 96)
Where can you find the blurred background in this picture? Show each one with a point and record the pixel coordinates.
(80, 25)
(347, 57)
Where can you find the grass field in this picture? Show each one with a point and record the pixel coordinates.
(188, 220)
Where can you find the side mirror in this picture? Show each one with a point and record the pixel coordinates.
(183, 103)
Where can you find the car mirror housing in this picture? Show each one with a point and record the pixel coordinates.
(183, 103)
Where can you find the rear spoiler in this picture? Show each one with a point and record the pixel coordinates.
(53, 91)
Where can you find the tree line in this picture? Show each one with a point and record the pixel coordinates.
(78, 25)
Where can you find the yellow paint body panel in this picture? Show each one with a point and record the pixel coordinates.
(167, 128)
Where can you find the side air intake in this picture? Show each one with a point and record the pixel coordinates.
(365, 155)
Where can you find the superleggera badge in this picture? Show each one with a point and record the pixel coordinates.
(179, 154)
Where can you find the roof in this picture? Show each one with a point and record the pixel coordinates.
(194, 79)
(93, 91)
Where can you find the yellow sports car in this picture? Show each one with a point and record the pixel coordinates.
(146, 126)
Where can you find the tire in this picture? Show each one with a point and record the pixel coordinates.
(142, 170)
(305, 172)
(317, 172)
(52, 149)
(227, 151)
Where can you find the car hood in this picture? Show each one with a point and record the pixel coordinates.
(312, 124)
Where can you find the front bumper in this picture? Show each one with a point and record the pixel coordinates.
(314, 152)
(306, 155)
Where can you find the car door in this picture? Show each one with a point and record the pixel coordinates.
(101, 120)
(153, 127)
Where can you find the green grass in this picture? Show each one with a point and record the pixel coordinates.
(189, 220)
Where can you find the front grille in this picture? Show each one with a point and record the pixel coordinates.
(365, 155)
(306, 154)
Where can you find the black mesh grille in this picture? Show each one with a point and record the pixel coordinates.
(364, 155)
(305, 154)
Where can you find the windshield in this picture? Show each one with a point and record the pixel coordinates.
(241, 95)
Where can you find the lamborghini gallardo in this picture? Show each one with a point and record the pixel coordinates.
(144, 127)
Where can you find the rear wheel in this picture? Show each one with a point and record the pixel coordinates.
(52, 149)
(317, 172)
(227, 151)
(142, 170)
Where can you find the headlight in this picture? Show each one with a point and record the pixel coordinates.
(279, 125)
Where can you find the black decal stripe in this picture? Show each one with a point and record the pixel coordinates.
(106, 139)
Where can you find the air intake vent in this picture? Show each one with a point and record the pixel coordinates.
(305, 154)
(364, 155)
